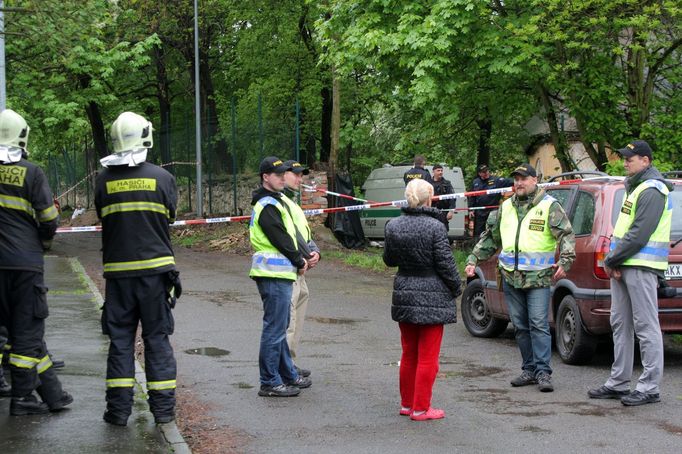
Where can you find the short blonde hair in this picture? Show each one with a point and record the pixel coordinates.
(418, 192)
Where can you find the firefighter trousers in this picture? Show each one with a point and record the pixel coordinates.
(130, 301)
(23, 310)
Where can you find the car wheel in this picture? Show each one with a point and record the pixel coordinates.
(478, 319)
(574, 344)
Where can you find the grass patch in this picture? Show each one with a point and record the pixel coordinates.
(677, 338)
(369, 260)
(461, 257)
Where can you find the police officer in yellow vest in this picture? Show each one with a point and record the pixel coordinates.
(277, 261)
(638, 256)
(528, 227)
(310, 251)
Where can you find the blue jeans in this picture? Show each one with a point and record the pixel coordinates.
(274, 360)
(529, 312)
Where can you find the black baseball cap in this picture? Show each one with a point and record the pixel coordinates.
(296, 167)
(525, 170)
(437, 166)
(637, 147)
(272, 164)
(482, 168)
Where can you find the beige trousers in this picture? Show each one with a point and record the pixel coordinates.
(299, 304)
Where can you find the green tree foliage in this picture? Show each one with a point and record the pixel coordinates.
(68, 69)
(461, 64)
(456, 80)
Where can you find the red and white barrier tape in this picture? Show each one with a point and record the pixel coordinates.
(366, 206)
(343, 196)
(76, 185)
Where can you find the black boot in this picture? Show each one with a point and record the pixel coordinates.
(5, 388)
(114, 419)
(28, 405)
(65, 400)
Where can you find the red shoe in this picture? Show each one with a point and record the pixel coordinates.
(404, 411)
(431, 413)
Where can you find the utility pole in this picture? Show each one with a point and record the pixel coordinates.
(197, 107)
(3, 82)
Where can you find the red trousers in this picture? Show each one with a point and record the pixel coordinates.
(419, 364)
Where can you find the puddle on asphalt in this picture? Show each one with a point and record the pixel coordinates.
(535, 429)
(335, 321)
(208, 351)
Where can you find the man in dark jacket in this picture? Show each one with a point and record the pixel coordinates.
(136, 201)
(29, 220)
(418, 172)
(485, 182)
(441, 186)
(277, 261)
(638, 257)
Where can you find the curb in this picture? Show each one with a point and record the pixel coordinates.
(169, 431)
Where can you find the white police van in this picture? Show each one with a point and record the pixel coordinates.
(387, 184)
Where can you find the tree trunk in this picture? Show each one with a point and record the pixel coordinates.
(217, 145)
(96, 123)
(598, 156)
(335, 130)
(485, 129)
(558, 137)
(326, 124)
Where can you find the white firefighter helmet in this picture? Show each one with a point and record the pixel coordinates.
(13, 129)
(131, 131)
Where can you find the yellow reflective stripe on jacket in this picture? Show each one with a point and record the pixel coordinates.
(124, 207)
(159, 385)
(120, 382)
(139, 264)
(24, 362)
(8, 347)
(44, 364)
(48, 214)
(16, 203)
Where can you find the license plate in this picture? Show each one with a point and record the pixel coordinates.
(674, 271)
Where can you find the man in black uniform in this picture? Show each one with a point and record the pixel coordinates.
(29, 220)
(136, 202)
(418, 171)
(485, 182)
(441, 186)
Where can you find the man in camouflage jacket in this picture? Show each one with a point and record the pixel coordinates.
(527, 291)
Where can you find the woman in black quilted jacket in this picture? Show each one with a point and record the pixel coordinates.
(424, 292)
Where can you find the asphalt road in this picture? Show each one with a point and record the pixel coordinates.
(352, 346)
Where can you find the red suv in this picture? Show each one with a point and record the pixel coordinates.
(580, 304)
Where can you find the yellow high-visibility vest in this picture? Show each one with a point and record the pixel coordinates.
(527, 245)
(654, 254)
(267, 261)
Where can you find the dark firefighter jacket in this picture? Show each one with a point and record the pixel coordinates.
(28, 216)
(136, 206)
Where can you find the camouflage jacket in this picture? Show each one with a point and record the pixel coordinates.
(560, 227)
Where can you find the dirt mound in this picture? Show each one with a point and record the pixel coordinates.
(85, 219)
